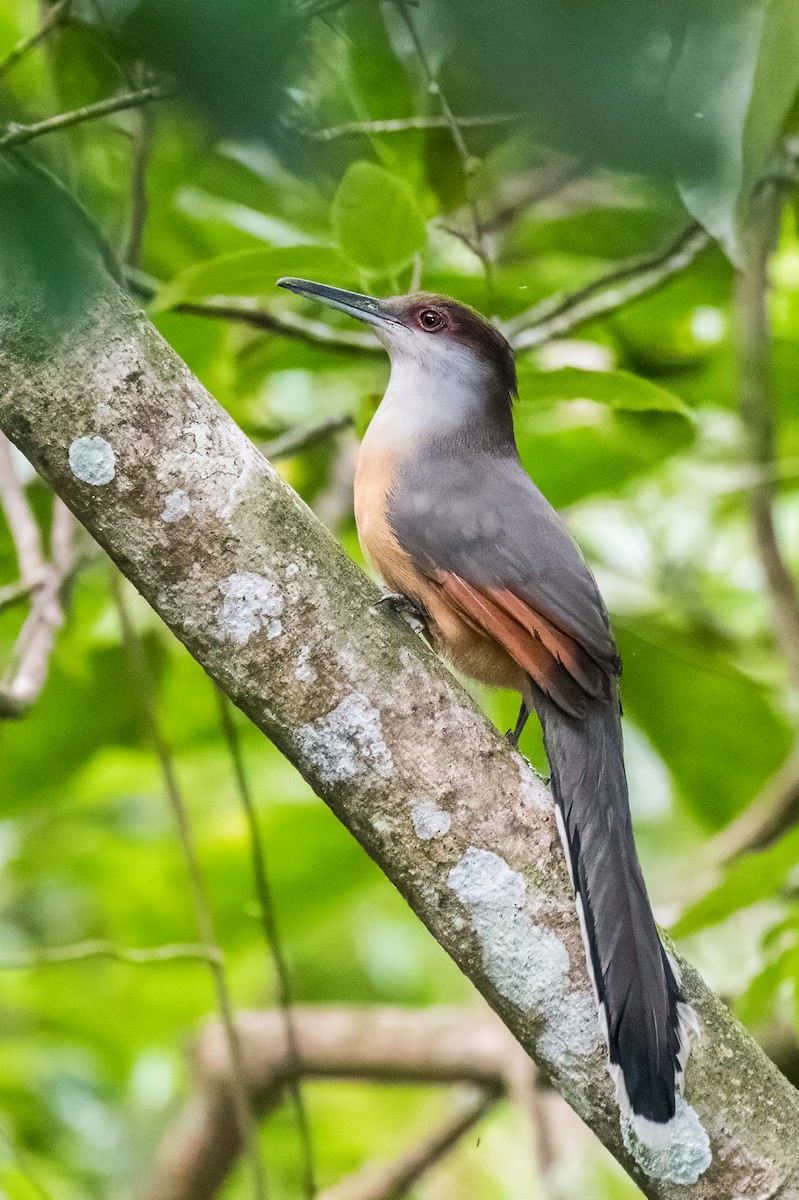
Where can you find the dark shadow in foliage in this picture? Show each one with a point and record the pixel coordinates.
(595, 77)
(233, 58)
(52, 258)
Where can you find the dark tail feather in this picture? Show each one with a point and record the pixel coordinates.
(646, 1022)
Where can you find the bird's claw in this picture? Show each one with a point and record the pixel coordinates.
(404, 608)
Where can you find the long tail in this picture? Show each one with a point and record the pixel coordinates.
(645, 1021)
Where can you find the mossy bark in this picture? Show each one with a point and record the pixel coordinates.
(274, 611)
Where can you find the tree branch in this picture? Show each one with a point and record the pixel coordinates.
(288, 324)
(21, 521)
(17, 135)
(557, 316)
(277, 614)
(437, 1046)
(771, 814)
(553, 317)
(58, 15)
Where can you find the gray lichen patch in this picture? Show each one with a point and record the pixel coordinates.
(571, 1032)
(346, 742)
(177, 505)
(687, 1154)
(251, 603)
(429, 820)
(209, 465)
(304, 671)
(526, 962)
(92, 460)
(533, 791)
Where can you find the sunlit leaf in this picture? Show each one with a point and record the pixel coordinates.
(619, 389)
(746, 881)
(583, 447)
(376, 220)
(253, 273)
(716, 729)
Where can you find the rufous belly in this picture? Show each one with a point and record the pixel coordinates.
(466, 647)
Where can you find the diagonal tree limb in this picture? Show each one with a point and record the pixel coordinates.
(269, 605)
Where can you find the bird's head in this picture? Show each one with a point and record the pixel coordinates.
(429, 334)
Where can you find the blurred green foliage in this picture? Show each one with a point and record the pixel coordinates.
(627, 119)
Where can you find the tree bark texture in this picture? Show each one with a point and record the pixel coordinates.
(266, 601)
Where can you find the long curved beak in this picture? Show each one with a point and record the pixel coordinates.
(363, 308)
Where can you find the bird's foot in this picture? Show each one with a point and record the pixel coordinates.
(406, 609)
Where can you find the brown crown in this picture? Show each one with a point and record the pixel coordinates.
(461, 324)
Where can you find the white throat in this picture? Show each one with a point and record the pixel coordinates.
(436, 386)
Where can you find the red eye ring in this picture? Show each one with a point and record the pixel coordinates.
(430, 319)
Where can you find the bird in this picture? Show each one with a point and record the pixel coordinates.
(456, 528)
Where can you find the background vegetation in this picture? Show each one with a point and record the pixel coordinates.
(570, 204)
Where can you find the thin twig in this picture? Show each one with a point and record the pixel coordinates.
(771, 814)
(757, 414)
(21, 521)
(453, 123)
(43, 581)
(58, 15)
(407, 124)
(274, 945)
(142, 145)
(145, 695)
(96, 948)
(558, 315)
(288, 324)
(16, 593)
(295, 441)
(396, 1180)
(542, 184)
(17, 135)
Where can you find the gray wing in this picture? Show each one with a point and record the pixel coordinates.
(481, 518)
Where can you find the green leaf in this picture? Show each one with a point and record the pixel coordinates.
(16, 1186)
(579, 449)
(715, 728)
(746, 881)
(253, 273)
(736, 79)
(377, 223)
(619, 389)
(581, 433)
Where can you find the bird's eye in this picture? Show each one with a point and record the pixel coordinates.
(430, 319)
